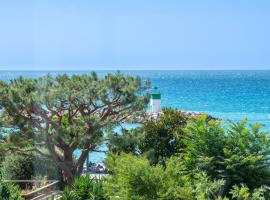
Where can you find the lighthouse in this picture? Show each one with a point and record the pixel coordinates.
(155, 100)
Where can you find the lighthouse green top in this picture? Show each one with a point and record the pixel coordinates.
(155, 96)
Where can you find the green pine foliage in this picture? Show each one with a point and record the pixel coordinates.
(66, 113)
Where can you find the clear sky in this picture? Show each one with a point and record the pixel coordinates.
(134, 34)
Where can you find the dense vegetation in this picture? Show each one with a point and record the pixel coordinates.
(43, 121)
(27, 167)
(9, 191)
(234, 154)
(204, 159)
(157, 140)
(134, 178)
(63, 114)
(238, 153)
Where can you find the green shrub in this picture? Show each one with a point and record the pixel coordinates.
(243, 193)
(157, 140)
(2, 146)
(163, 138)
(9, 191)
(134, 178)
(28, 167)
(25, 167)
(2, 152)
(85, 188)
(236, 153)
(17, 167)
(46, 167)
(126, 142)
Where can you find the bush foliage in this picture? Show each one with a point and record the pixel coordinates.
(85, 188)
(236, 154)
(26, 167)
(134, 178)
(157, 140)
(17, 167)
(9, 191)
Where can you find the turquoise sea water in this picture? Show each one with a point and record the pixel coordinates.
(225, 94)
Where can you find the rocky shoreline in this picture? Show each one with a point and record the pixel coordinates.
(153, 116)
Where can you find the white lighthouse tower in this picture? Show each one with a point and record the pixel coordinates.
(155, 101)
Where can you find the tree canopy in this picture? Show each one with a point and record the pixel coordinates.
(157, 139)
(64, 113)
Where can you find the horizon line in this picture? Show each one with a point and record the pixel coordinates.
(86, 70)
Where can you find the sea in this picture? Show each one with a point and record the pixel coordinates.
(228, 95)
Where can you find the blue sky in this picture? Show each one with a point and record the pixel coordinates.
(134, 34)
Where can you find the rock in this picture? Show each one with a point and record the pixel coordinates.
(140, 118)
